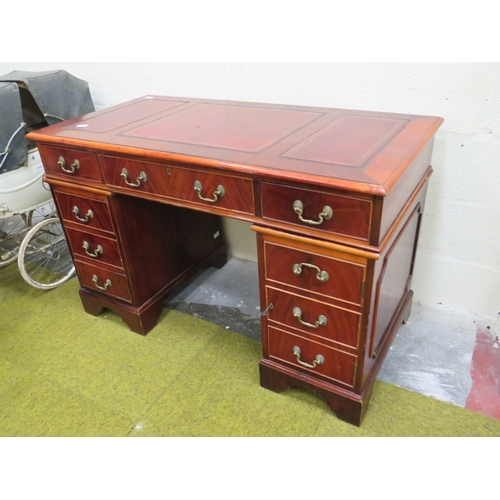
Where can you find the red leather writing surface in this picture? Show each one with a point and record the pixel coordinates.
(362, 151)
(241, 128)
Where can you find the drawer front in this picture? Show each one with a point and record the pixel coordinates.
(103, 280)
(71, 163)
(179, 183)
(88, 212)
(349, 216)
(95, 248)
(336, 365)
(314, 318)
(238, 192)
(315, 273)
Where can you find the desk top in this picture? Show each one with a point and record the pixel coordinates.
(357, 150)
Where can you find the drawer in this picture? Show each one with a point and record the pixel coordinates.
(71, 163)
(179, 183)
(88, 212)
(313, 317)
(346, 215)
(316, 273)
(296, 351)
(103, 280)
(96, 248)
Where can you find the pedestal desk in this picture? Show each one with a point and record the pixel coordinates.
(335, 197)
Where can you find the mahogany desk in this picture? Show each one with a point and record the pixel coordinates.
(335, 197)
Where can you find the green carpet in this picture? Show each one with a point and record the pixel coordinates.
(66, 373)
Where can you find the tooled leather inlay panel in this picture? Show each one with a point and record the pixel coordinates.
(238, 128)
(120, 117)
(349, 141)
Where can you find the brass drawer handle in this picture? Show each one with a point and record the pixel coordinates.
(218, 193)
(98, 251)
(318, 361)
(71, 170)
(321, 275)
(326, 214)
(87, 217)
(142, 178)
(321, 321)
(107, 283)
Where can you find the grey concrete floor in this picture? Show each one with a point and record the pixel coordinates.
(431, 353)
(228, 297)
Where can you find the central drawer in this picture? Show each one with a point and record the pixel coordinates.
(194, 186)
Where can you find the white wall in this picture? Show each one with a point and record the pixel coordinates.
(458, 262)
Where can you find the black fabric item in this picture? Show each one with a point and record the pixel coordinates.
(11, 119)
(45, 98)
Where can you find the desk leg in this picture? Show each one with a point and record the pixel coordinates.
(348, 407)
(139, 320)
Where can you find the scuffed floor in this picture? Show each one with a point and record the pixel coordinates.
(484, 396)
(448, 355)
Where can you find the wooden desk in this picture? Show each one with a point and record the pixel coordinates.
(335, 198)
